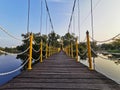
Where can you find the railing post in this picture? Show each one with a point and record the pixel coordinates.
(52, 50)
(62, 47)
(58, 50)
(67, 50)
(30, 53)
(46, 50)
(49, 50)
(71, 50)
(89, 51)
(77, 50)
(41, 52)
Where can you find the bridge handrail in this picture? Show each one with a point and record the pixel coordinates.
(82, 54)
(14, 53)
(35, 42)
(36, 51)
(27, 38)
(105, 40)
(36, 59)
(12, 36)
(98, 54)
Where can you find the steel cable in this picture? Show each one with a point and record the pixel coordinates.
(106, 40)
(10, 35)
(71, 15)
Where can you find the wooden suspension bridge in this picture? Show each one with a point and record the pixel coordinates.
(60, 72)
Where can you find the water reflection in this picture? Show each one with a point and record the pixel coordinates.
(8, 63)
(108, 67)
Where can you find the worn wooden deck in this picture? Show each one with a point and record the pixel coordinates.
(60, 72)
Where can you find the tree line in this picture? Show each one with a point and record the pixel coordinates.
(55, 40)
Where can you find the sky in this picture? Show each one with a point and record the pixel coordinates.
(13, 18)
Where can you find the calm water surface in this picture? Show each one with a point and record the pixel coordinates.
(109, 68)
(8, 63)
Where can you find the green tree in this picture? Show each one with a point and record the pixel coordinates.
(113, 46)
(68, 38)
(53, 39)
(116, 43)
(36, 45)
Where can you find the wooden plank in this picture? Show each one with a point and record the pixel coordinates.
(60, 72)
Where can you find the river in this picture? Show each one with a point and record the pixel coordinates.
(8, 63)
(107, 67)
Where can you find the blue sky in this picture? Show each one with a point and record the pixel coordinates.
(13, 18)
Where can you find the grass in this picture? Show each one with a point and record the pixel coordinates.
(114, 51)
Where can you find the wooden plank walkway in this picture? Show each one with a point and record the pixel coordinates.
(60, 72)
